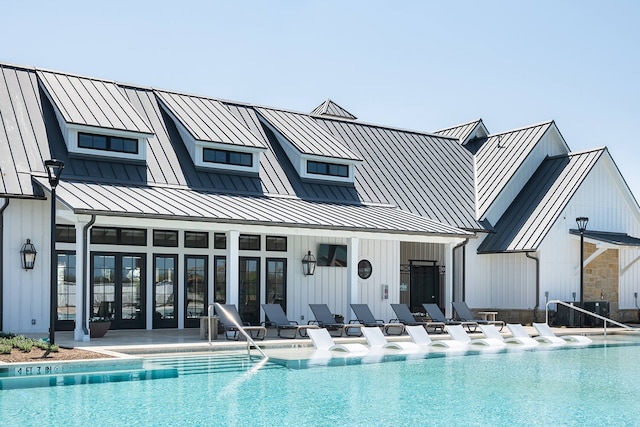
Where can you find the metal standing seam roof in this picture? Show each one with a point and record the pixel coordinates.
(499, 158)
(186, 204)
(330, 108)
(461, 132)
(529, 218)
(23, 135)
(92, 102)
(208, 120)
(422, 173)
(618, 239)
(306, 135)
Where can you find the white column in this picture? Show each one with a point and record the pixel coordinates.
(448, 279)
(352, 275)
(82, 300)
(233, 265)
(180, 310)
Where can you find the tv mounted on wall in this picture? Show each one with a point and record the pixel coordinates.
(332, 255)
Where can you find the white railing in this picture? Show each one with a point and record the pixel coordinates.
(590, 313)
(250, 340)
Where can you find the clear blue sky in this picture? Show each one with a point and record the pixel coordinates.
(421, 65)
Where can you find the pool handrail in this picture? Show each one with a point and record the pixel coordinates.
(590, 313)
(250, 340)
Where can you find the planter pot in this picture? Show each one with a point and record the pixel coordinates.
(98, 329)
(338, 319)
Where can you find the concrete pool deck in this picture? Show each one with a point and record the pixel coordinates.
(141, 342)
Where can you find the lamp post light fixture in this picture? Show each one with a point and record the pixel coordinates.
(28, 255)
(582, 222)
(309, 264)
(54, 170)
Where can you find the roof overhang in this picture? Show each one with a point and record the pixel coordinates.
(605, 238)
(155, 205)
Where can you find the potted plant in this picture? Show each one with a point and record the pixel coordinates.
(98, 326)
(339, 318)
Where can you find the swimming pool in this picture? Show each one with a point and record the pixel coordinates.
(587, 386)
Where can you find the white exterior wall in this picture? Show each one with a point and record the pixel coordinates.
(549, 145)
(329, 284)
(26, 292)
(508, 280)
(500, 281)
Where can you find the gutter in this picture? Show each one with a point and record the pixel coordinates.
(453, 261)
(2, 209)
(85, 272)
(537, 306)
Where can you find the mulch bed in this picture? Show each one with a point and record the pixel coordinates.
(36, 354)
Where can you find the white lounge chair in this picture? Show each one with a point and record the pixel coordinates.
(376, 339)
(457, 333)
(323, 341)
(519, 334)
(547, 335)
(420, 336)
(490, 331)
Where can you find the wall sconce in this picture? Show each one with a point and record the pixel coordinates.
(28, 255)
(309, 264)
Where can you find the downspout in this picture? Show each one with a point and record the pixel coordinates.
(453, 267)
(2, 209)
(537, 306)
(85, 272)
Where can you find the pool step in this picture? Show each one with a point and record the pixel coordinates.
(62, 379)
(205, 364)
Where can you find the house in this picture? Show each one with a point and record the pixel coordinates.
(169, 202)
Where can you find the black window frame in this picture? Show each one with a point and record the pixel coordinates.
(65, 233)
(219, 241)
(226, 157)
(119, 239)
(342, 172)
(197, 237)
(247, 239)
(161, 239)
(270, 241)
(110, 141)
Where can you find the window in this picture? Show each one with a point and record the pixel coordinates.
(331, 169)
(276, 243)
(194, 239)
(364, 269)
(276, 283)
(220, 279)
(65, 234)
(107, 143)
(166, 238)
(249, 242)
(219, 241)
(211, 155)
(118, 236)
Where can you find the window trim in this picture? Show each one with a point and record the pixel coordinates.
(328, 166)
(163, 244)
(228, 157)
(108, 148)
(271, 239)
(204, 234)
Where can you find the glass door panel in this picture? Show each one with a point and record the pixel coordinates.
(66, 291)
(276, 282)
(249, 290)
(103, 286)
(165, 291)
(195, 296)
(118, 297)
(220, 280)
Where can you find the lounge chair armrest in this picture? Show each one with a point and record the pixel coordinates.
(313, 322)
(293, 322)
(354, 321)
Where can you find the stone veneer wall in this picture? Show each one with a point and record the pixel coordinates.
(601, 276)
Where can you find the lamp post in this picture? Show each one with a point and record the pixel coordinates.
(582, 226)
(54, 170)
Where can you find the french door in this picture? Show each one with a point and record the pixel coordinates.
(118, 289)
(249, 290)
(165, 291)
(195, 293)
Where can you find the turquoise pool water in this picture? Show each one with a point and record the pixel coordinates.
(588, 386)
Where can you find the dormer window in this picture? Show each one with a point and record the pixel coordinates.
(225, 157)
(107, 143)
(330, 169)
(95, 117)
(214, 138)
